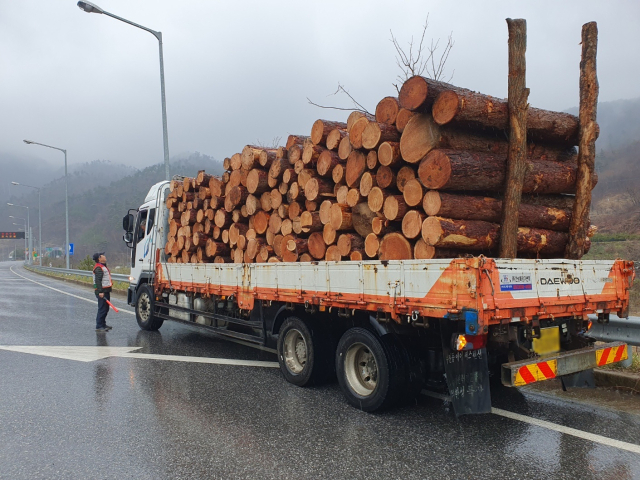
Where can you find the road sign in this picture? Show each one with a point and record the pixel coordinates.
(71, 249)
(11, 235)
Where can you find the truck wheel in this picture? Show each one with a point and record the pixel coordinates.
(144, 310)
(302, 353)
(370, 372)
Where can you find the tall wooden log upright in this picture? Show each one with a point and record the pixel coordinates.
(516, 159)
(587, 142)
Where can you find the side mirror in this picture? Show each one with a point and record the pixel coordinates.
(127, 223)
(128, 237)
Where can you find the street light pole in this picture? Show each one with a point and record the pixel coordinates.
(66, 191)
(93, 8)
(27, 227)
(39, 219)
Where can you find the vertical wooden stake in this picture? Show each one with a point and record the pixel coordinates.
(516, 159)
(586, 143)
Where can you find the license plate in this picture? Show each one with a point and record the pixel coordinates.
(549, 341)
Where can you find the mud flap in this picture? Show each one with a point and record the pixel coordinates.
(467, 374)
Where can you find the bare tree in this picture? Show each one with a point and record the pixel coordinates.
(341, 89)
(420, 59)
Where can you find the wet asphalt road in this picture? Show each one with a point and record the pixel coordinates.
(151, 419)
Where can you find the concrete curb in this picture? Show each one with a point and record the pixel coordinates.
(616, 379)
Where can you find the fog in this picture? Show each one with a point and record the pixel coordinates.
(240, 72)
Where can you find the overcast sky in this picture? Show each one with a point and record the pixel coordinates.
(239, 72)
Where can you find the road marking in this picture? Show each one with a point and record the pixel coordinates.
(246, 344)
(91, 354)
(63, 292)
(630, 447)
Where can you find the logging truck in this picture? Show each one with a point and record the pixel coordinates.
(387, 329)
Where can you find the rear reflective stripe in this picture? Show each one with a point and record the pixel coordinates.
(621, 351)
(604, 356)
(526, 375)
(546, 370)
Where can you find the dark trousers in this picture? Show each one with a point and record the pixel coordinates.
(103, 309)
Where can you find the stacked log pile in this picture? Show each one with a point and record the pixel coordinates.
(421, 179)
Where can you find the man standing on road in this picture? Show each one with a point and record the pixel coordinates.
(102, 284)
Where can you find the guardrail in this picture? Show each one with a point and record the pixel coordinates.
(84, 273)
(617, 330)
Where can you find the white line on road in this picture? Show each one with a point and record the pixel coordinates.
(65, 293)
(91, 354)
(630, 447)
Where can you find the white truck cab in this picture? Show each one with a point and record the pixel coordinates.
(145, 229)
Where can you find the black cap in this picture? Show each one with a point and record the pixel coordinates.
(96, 256)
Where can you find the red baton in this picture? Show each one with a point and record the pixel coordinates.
(112, 306)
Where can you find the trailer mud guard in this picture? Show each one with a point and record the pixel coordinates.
(467, 375)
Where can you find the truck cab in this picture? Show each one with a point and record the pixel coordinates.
(145, 229)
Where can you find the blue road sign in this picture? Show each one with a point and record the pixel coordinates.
(71, 249)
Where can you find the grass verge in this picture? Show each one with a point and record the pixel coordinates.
(120, 287)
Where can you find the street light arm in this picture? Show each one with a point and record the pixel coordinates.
(24, 185)
(29, 142)
(158, 35)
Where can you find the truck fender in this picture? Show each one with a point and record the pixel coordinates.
(279, 318)
(380, 329)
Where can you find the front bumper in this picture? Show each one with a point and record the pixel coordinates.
(525, 372)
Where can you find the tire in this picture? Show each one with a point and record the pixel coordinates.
(370, 371)
(303, 353)
(145, 308)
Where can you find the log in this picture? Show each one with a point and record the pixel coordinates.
(305, 257)
(276, 199)
(226, 163)
(266, 252)
(296, 227)
(310, 222)
(367, 182)
(349, 241)
(325, 211)
(275, 222)
(357, 255)
(236, 161)
(213, 248)
(215, 185)
(516, 158)
(317, 247)
(387, 110)
(296, 139)
(293, 193)
(250, 157)
(327, 161)
(328, 234)
(403, 118)
(376, 199)
(289, 176)
(371, 245)
(395, 207)
(188, 184)
(357, 129)
(418, 93)
(257, 181)
(389, 154)
(345, 148)
(405, 174)
(237, 195)
(283, 210)
(295, 153)
(353, 197)
(235, 231)
(294, 210)
(355, 116)
(318, 187)
(340, 217)
(253, 204)
(305, 175)
(553, 201)
(422, 251)
(588, 133)
(238, 256)
(287, 226)
(466, 109)
(298, 245)
(321, 129)
(278, 168)
(283, 188)
(474, 171)
(467, 207)
(385, 177)
(413, 193)
(422, 134)
(200, 216)
(311, 153)
(261, 222)
(241, 243)
(412, 224)
(394, 246)
(189, 217)
(337, 174)
(332, 254)
(372, 160)
(269, 155)
(277, 245)
(376, 133)
(224, 236)
(341, 194)
(361, 218)
(335, 137)
(265, 201)
(356, 165)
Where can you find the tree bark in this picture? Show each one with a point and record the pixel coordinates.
(474, 171)
(516, 159)
(467, 207)
(587, 144)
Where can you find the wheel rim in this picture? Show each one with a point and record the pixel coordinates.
(361, 369)
(295, 351)
(144, 306)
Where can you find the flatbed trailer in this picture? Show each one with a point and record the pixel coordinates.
(388, 329)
